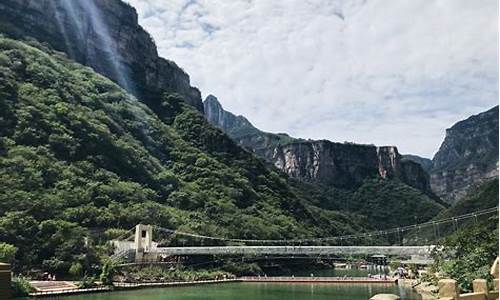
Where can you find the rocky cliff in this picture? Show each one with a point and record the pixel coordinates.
(344, 165)
(467, 157)
(104, 35)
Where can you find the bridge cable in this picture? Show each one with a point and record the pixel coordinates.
(397, 230)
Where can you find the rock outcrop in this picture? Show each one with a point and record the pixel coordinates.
(241, 130)
(343, 165)
(104, 35)
(467, 157)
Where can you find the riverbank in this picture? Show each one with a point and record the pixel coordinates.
(425, 290)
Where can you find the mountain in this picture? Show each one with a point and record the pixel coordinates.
(78, 153)
(343, 165)
(104, 35)
(467, 157)
(376, 182)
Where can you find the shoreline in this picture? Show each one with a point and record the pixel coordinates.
(424, 289)
(124, 286)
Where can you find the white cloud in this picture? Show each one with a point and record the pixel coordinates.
(370, 71)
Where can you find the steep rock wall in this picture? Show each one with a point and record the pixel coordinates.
(104, 35)
(467, 157)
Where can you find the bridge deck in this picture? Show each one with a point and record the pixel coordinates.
(296, 250)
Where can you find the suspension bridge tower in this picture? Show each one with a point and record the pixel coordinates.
(143, 241)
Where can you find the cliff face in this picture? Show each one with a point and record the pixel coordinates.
(346, 165)
(343, 165)
(104, 35)
(467, 157)
(225, 120)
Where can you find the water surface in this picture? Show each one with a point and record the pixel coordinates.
(258, 291)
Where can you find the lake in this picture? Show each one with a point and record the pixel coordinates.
(258, 291)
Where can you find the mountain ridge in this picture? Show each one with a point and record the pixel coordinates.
(300, 158)
(344, 165)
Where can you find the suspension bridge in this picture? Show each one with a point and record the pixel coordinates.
(138, 244)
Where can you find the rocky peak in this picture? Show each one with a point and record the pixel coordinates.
(241, 130)
(224, 119)
(389, 161)
(467, 157)
(104, 35)
(213, 109)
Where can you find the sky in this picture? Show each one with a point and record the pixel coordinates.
(384, 72)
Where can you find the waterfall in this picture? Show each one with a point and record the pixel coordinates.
(85, 19)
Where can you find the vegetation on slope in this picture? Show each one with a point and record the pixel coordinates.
(468, 254)
(483, 197)
(468, 247)
(79, 155)
(385, 203)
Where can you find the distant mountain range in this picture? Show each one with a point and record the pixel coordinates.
(467, 158)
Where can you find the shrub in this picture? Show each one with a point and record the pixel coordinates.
(7, 252)
(21, 287)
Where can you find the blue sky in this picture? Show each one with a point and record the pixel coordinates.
(385, 72)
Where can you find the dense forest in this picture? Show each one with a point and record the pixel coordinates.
(79, 155)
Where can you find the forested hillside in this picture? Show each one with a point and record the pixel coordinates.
(78, 153)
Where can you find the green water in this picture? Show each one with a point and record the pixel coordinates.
(257, 291)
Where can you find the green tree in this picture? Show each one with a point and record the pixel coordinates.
(469, 253)
(7, 252)
(108, 271)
